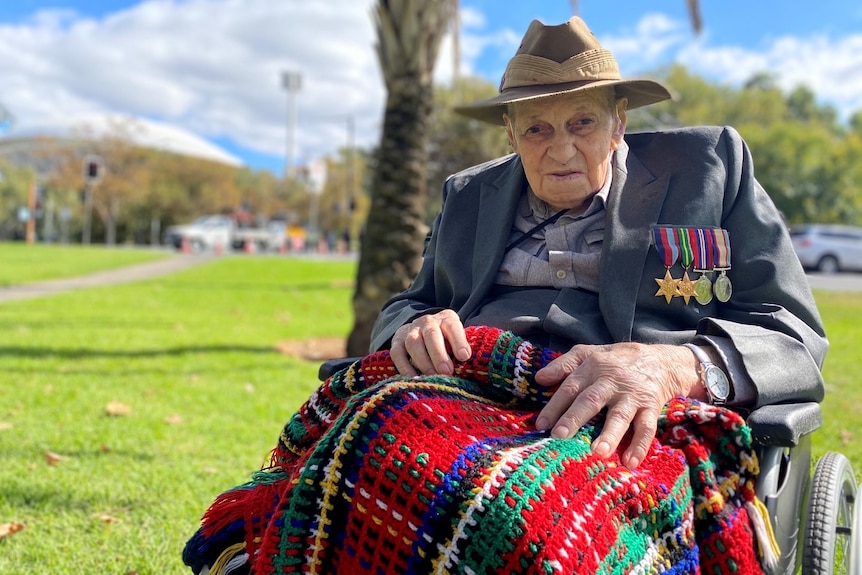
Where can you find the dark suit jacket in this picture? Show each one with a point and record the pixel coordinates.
(697, 177)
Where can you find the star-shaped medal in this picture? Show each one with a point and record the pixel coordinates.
(668, 286)
(686, 287)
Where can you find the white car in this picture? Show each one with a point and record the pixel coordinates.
(828, 248)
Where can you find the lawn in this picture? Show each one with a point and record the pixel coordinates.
(125, 410)
(21, 263)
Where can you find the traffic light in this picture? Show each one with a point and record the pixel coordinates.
(93, 169)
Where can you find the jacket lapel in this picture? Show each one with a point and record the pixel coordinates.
(498, 201)
(634, 205)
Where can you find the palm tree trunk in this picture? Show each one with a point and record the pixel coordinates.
(409, 34)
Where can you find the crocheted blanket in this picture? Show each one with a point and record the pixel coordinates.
(377, 473)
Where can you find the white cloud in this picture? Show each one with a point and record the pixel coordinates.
(211, 66)
(214, 66)
(831, 67)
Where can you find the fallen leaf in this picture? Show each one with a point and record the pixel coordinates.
(108, 519)
(846, 437)
(54, 458)
(105, 448)
(248, 387)
(4, 425)
(117, 409)
(11, 528)
(174, 419)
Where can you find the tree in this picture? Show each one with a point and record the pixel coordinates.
(408, 39)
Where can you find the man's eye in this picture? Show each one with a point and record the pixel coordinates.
(536, 131)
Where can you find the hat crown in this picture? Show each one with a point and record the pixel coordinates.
(560, 54)
(561, 59)
(560, 42)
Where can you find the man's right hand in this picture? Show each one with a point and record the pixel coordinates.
(425, 344)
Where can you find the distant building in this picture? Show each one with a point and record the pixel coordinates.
(27, 145)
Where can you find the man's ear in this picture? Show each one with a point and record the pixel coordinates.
(620, 127)
(510, 133)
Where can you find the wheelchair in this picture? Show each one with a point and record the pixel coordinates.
(814, 516)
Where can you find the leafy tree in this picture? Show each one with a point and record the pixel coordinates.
(456, 142)
(15, 183)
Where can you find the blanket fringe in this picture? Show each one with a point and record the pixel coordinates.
(770, 552)
(231, 559)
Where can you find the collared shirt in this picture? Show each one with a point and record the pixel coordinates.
(565, 254)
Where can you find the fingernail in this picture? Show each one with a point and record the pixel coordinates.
(445, 368)
(542, 423)
(601, 448)
(463, 353)
(560, 432)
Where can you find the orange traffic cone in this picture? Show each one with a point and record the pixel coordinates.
(248, 246)
(185, 245)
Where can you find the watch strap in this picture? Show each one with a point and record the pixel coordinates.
(705, 363)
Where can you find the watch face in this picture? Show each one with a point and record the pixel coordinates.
(717, 382)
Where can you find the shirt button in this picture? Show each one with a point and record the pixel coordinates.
(561, 274)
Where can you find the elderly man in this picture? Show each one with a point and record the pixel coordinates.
(610, 253)
(589, 241)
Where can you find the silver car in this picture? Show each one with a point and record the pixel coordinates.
(828, 248)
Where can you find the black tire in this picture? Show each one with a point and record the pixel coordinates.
(828, 265)
(828, 534)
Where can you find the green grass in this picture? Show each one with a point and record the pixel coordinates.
(193, 357)
(842, 408)
(22, 263)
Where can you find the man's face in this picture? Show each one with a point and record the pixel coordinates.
(565, 143)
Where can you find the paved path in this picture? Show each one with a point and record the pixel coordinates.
(121, 275)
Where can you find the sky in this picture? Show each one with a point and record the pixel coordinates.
(215, 67)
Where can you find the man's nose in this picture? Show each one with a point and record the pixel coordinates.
(563, 147)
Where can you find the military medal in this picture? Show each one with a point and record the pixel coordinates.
(702, 248)
(667, 245)
(722, 288)
(686, 286)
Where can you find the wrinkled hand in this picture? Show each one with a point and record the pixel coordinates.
(634, 381)
(425, 344)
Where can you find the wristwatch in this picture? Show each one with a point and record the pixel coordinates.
(712, 377)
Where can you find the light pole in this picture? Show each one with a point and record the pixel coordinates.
(292, 82)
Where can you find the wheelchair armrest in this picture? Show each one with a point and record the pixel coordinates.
(783, 425)
(330, 366)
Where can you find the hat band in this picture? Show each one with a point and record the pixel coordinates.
(528, 70)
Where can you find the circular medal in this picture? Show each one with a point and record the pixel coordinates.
(723, 288)
(703, 290)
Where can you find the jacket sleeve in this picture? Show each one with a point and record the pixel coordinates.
(771, 327)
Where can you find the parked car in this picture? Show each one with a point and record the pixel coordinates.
(220, 232)
(828, 248)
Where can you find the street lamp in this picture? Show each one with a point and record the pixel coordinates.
(292, 82)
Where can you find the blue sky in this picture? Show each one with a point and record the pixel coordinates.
(213, 67)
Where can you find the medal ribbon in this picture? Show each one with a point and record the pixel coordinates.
(667, 244)
(722, 249)
(703, 247)
(685, 246)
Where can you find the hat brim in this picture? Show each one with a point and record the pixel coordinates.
(639, 93)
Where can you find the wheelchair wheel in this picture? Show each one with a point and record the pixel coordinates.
(829, 533)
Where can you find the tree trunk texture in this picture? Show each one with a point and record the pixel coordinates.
(409, 34)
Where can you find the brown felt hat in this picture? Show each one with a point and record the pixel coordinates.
(557, 60)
